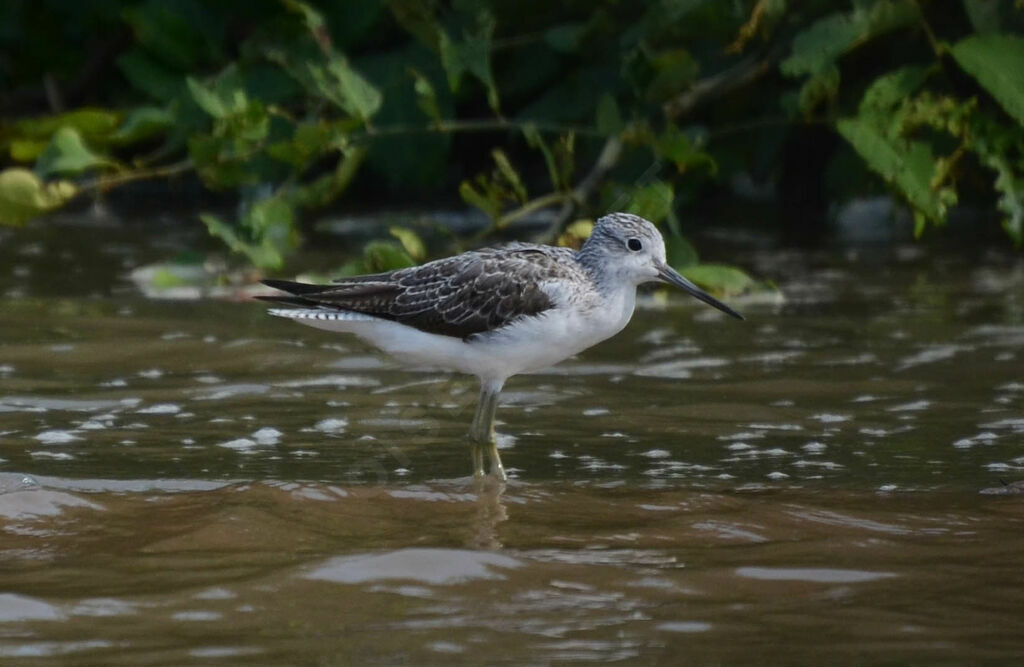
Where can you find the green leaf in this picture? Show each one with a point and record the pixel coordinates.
(207, 99)
(23, 196)
(473, 55)
(90, 122)
(680, 252)
(674, 71)
(720, 278)
(675, 145)
(426, 96)
(565, 164)
(262, 254)
(359, 96)
(910, 166)
(608, 118)
(566, 38)
(224, 97)
(985, 15)
(1010, 186)
(268, 216)
(341, 85)
(996, 61)
(164, 278)
(178, 33)
(892, 88)
(309, 141)
(534, 139)
(378, 257)
(329, 187)
(381, 256)
(820, 87)
(509, 173)
(143, 123)
(416, 17)
(575, 234)
(820, 45)
(314, 20)
(149, 76)
(411, 242)
(68, 154)
(580, 228)
(490, 205)
(652, 201)
(265, 234)
(27, 150)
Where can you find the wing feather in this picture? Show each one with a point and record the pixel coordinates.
(460, 296)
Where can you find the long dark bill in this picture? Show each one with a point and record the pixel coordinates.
(672, 277)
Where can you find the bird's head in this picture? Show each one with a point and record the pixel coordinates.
(633, 249)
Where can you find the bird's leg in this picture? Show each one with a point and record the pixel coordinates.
(497, 469)
(482, 431)
(477, 450)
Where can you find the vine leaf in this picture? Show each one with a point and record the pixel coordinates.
(24, 196)
(68, 154)
(473, 55)
(995, 61)
(411, 242)
(910, 166)
(720, 278)
(426, 96)
(652, 201)
(819, 46)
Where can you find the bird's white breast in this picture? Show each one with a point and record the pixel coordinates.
(576, 323)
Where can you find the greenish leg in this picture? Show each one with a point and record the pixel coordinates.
(481, 432)
(497, 469)
(477, 450)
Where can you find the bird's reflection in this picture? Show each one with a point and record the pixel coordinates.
(490, 512)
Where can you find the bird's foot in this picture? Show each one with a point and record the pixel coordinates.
(489, 442)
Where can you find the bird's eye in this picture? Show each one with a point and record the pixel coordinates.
(634, 245)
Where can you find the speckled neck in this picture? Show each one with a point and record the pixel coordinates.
(595, 263)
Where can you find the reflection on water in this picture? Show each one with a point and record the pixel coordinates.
(292, 571)
(837, 476)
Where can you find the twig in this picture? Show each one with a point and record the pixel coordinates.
(105, 182)
(529, 207)
(933, 41)
(472, 125)
(739, 75)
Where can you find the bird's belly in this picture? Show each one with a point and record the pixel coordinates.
(529, 344)
(542, 341)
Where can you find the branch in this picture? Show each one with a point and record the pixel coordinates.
(105, 182)
(529, 207)
(713, 87)
(471, 125)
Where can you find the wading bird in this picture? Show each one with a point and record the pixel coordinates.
(496, 312)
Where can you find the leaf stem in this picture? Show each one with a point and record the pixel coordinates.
(121, 178)
(475, 125)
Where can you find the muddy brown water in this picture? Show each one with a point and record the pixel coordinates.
(190, 482)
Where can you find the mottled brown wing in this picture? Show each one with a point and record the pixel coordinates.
(459, 296)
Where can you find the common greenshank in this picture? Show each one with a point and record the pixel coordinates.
(496, 312)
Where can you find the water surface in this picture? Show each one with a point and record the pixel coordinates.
(187, 481)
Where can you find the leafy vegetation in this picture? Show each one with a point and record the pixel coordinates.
(569, 108)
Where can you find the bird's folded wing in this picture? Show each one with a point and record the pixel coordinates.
(460, 296)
